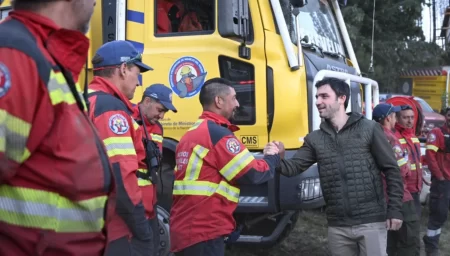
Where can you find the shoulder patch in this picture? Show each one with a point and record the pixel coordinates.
(5, 79)
(118, 124)
(217, 132)
(431, 138)
(233, 145)
(398, 151)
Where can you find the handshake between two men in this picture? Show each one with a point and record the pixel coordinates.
(273, 148)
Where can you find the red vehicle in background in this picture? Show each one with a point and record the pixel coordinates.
(427, 117)
(425, 120)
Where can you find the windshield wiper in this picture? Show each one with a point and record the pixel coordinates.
(315, 48)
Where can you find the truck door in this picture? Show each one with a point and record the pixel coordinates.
(184, 44)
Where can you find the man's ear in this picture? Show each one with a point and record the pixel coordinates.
(123, 69)
(341, 99)
(218, 101)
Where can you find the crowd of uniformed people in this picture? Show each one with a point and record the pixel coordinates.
(78, 172)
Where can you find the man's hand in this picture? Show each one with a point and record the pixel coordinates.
(428, 183)
(393, 224)
(281, 148)
(270, 149)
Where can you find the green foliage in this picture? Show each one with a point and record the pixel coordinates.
(399, 44)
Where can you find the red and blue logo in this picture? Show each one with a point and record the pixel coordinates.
(186, 76)
(5, 80)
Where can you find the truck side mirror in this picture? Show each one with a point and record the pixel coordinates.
(234, 23)
(298, 3)
(233, 18)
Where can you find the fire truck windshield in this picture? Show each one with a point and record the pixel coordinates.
(317, 22)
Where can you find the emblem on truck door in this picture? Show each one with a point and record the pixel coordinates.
(187, 76)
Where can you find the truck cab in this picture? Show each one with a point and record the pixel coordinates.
(273, 51)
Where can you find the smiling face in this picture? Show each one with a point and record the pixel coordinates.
(227, 103)
(328, 103)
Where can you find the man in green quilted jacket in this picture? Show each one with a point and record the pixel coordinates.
(352, 153)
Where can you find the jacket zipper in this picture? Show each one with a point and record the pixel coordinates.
(344, 181)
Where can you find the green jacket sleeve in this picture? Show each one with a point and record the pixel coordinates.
(385, 159)
(300, 162)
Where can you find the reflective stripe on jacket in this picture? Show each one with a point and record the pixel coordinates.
(111, 113)
(54, 173)
(211, 163)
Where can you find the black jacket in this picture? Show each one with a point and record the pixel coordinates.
(350, 165)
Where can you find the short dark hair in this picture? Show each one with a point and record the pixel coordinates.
(340, 87)
(106, 72)
(213, 88)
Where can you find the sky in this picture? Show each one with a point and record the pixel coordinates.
(426, 21)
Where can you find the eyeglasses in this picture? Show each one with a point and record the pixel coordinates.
(406, 107)
(138, 57)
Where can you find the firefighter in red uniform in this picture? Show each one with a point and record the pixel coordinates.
(155, 103)
(117, 65)
(54, 172)
(402, 242)
(405, 126)
(438, 159)
(211, 163)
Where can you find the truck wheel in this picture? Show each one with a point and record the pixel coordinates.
(164, 188)
(164, 232)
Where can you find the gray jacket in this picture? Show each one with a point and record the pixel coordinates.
(350, 165)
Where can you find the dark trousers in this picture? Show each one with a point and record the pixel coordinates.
(406, 240)
(416, 198)
(439, 208)
(214, 247)
(154, 226)
(125, 247)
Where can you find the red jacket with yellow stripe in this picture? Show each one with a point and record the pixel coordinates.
(54, 173)
(155, 133)
(438, 153)
(400, 152)
(111, 113)
(414, 157)
(211, 163)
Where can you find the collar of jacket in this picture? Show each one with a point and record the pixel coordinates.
(406, 132)
(101, 84)
(353, 117)
(220, 120)
(69, 47)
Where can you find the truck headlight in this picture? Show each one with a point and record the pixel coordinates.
(310, 189)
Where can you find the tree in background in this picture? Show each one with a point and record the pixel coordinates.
(399, 43)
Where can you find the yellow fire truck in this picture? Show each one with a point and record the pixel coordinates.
(273, 51)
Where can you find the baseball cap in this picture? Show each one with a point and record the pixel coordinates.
(119, 51)
(382, 110)
(162, 93)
